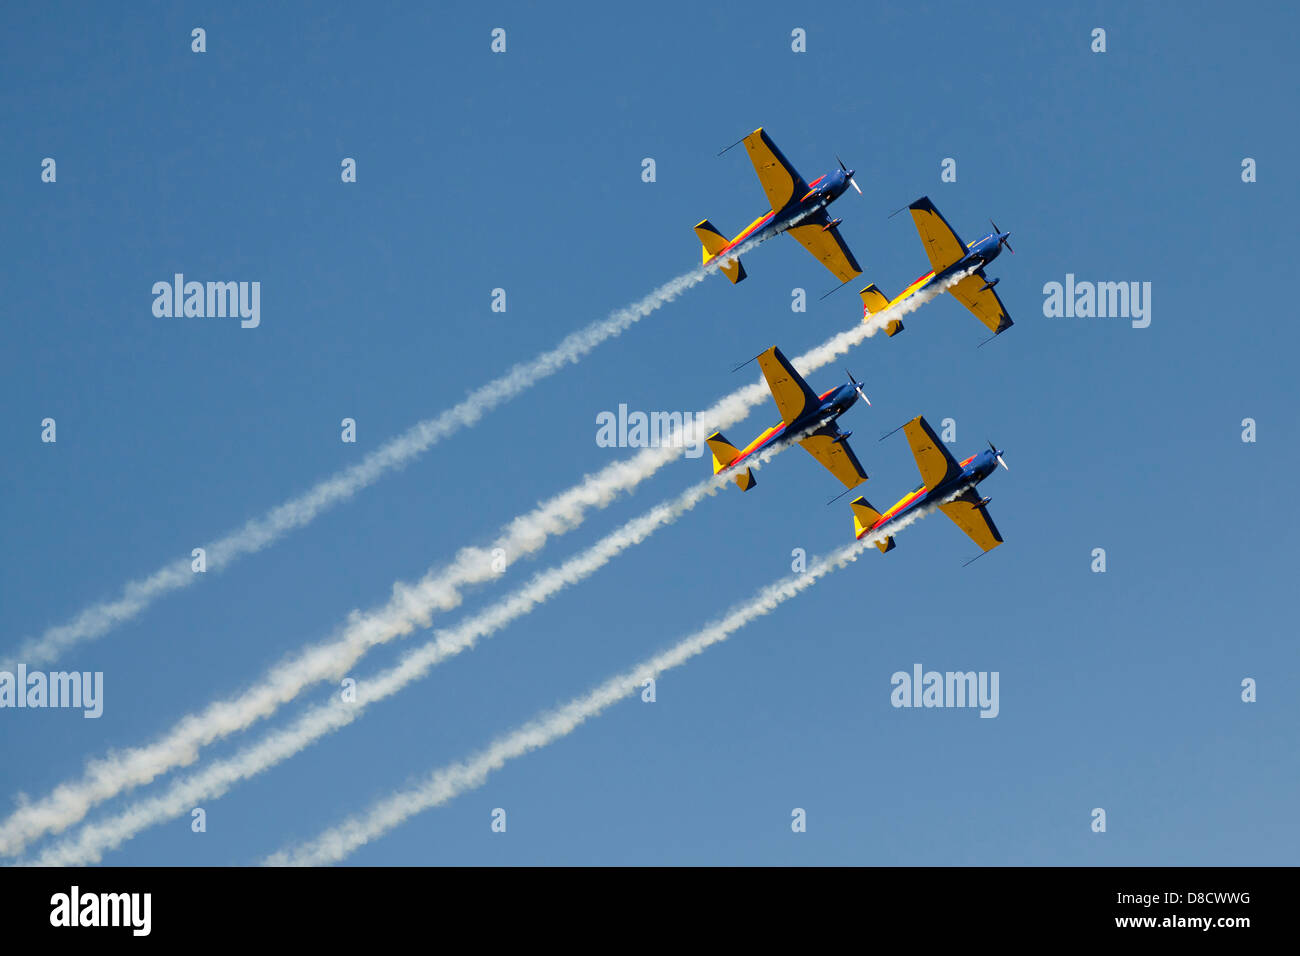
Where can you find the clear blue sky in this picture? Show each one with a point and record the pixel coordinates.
(1118, 690)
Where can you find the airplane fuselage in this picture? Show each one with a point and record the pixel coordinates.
(833, 404)
(978, 255)
(973, 470)
(821, 193)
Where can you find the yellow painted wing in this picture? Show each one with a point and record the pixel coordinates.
(969, 515)
(792, 395)
(836, 457)
(780, 181)
(828, 248)
(942, 244)
(984, 303)
(932, 459)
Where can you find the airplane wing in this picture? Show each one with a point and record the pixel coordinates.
(968, 514)
(942, 244)
(984, 303)
(932, 459)
(826, 246)
(792, 394)
(836, 456)
(780, 181)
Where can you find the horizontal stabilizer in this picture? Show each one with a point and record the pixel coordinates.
(873, 300)
(733, 270)
(724, 453)
(714, 242)
(864, 519)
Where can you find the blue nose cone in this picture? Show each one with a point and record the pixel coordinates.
(993, 245)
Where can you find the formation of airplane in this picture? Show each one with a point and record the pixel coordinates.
(797, 207)
(806, 417)
(944, 480)
(949, 256)
(810, 419)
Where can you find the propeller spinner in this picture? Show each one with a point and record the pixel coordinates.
(852, 182)
(1003, 241)
(993, 448)
(857, 385)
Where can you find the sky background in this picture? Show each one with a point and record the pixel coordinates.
(522, 170)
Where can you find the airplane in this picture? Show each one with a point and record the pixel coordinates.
(941, 477)
(949, 256)
(791, 198)
(801, 409)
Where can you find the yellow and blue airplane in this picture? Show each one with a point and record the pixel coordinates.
(791, 199)
(802, 411)
(942, 478)
(949, 256)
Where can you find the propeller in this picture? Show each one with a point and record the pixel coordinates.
(852, 182)
(1003, 241)
(993, 449)
(858, 385)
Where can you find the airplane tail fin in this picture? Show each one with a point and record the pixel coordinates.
(864, 516)
(713, 243)
(724, 452)
(873, 301)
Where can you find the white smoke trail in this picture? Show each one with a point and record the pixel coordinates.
(444, 784)
(410, 606)
(260, 532)
(93, 840)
